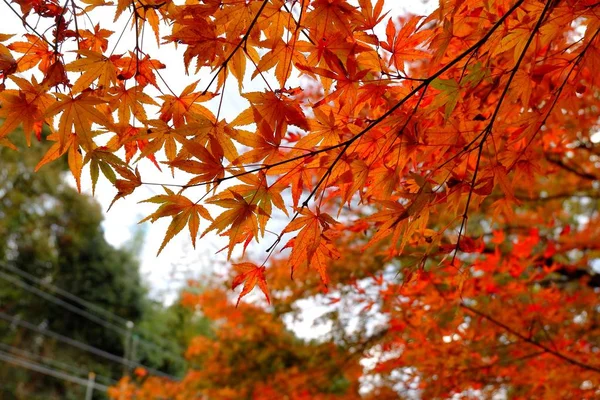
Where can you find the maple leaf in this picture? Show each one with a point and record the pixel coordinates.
(404, 44)
(121, 6)
(514, 40)
(184, 108)
(331, 15)
(199, 34)
(218, 138)
(74, 157)
(347, 78)
(371, 16)
(160, 135)
(241, 218)
(95, 41)
(126, 186)
(128, 136)
(450, 94)
(250, 275)
(208, 168)
(263, 146)
(94, 66)
(35, 52)
(8, 64)
(504, 183)
(142, 69)
(258, 192)
(282, 55)
(129, 102)
(48, 8)
(16, 110)
(77, 115)
(278, 111)
(24, 106)
(394, 219)
(307, 245)
(151, 13)
(184, 212)
(101, 159)
(55, 76)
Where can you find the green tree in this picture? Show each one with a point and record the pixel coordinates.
(50, 231)
(177, 325)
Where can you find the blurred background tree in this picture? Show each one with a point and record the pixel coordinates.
(51, 232)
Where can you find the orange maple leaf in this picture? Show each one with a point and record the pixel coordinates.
(184, 212)
(93, 66)
(251, 275)
(78, 115)
(405, 44)
(126, 186)
(74, 158)
(277, 110)
(35, 51)
(142, 69)
(25, 106)
(310, 244)
(96, 40)
(241, 218)
(183, 109)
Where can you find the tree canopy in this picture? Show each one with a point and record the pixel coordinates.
(436, 175)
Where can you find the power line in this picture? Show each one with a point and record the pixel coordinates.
(80, 345)
(61, 303)
(6, 357)
(63, 292)
(77, 310)
(54, 363)
(77, 299)
(73, 308)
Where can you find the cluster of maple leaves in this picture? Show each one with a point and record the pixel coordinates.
(431, 144)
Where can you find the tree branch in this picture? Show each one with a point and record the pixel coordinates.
(531, 341)
(582, 174)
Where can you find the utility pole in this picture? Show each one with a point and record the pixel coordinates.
(89, 391)
(134, 345)
(127, 350)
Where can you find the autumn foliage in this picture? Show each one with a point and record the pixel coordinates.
(437, 175)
